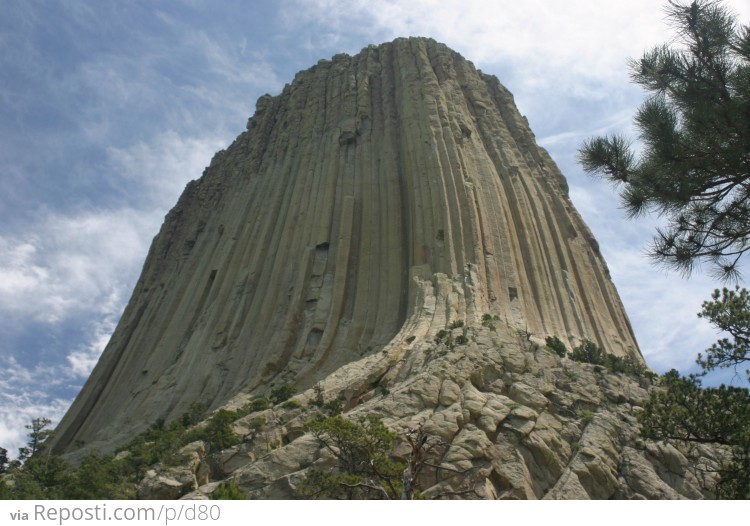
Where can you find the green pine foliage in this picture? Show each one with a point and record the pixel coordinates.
(41, 475)
(728, 311)
(217, 433)
(260, 404)
(3, 460)
(693, 170)
(228, 491)
(282, 393)
(685, 412)
(556, 345)
(589, 352)
(100, 477)
(364, 469)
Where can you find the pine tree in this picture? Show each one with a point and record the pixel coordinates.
(729, 311)
(686, 413)
(3, 460)
(694, 169)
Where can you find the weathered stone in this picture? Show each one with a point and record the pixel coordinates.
(172, 482)
(528, 396)
(415, 196)
(388, 231)
(160, 487)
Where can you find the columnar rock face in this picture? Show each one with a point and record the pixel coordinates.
(375, 201)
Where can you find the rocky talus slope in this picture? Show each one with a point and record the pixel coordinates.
(516, 420)
(374, 202)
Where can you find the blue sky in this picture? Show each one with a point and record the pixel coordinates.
(108, 108)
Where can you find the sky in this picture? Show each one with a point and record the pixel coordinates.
(108, 108)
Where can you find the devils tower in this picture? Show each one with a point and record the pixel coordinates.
(378, 200)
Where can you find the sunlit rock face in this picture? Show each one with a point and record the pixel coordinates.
(375, 201)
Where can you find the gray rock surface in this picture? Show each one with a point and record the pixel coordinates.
(552, 429)
(378, 199)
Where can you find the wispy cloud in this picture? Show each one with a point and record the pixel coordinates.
(541, 37)
(63, 265)
(24, 396)
(76, 271)
(157, 169)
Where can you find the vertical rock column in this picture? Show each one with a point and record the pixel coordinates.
(379, 196)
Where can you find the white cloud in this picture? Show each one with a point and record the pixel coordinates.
(548, 44)
(24, 396)
(63, 265)
(82, 361)
(80, 268)
(161, 166)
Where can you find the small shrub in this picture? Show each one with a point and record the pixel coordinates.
(257, 423)
(456, 324)
(488, 321)
(555, 344)
(229, 491)
(218, 434)
(282, 393)
(334, 407)
(291, 404)
(461, 340)
(586, 416)
(195, 414)
(440, 336)
(589, 352)
(317, 400)
(260, 404)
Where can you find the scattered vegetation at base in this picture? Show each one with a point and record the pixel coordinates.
(445, 337)
(39, 474)
(488, 320)
(686, 413)
(282, 393)
(362, 449)
(366, 467)
(260, 404)
(589, 352)
(228, 491)
(291, 404)
(555, 345)
(332, 407)
(586, 416)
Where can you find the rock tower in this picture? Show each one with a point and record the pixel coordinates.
(378, 200)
